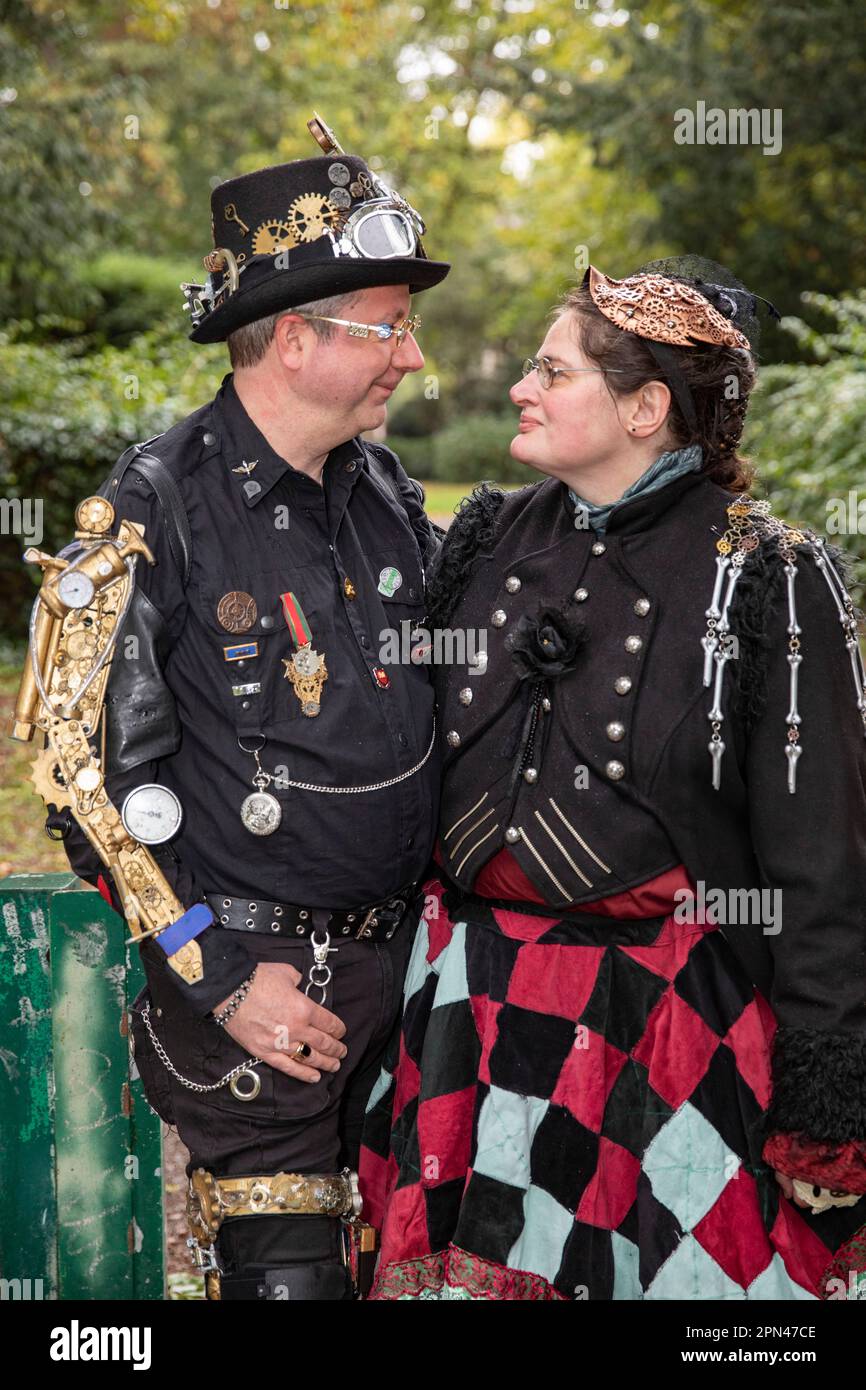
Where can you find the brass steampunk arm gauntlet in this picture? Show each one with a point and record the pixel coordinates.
(74, 628)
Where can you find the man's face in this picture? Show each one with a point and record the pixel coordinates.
(351, 380)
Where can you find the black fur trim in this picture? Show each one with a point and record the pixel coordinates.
(819, 1085)
(472, 529)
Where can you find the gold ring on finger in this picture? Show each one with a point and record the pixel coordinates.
(302, 1050)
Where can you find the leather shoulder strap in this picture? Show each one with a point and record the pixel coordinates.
(384, 474)
(155, 472)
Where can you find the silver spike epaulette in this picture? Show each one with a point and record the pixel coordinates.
(750, 525)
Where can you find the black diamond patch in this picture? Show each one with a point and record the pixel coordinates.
(529, 1051)
(634, 1113)
(563, 1156)
(622, 999)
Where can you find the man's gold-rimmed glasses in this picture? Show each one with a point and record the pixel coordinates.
(383, 331)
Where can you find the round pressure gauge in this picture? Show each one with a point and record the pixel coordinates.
(75, 589)
(151, 814)
(94, 514)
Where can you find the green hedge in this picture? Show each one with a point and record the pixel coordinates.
(66, 416)
(807, 428)
(465, 451)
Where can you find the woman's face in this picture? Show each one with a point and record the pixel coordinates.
(573, 424)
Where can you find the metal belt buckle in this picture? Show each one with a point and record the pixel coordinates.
(370, 921)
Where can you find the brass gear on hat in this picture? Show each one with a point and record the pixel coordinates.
(313, 214)
(272, 237)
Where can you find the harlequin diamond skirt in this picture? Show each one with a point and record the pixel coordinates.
(572, 1109)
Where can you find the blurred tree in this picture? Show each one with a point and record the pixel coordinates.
(54, 152)
(616, 76)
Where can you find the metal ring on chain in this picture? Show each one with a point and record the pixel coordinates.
(235, 1087)
(228, 1079)
(312, 984)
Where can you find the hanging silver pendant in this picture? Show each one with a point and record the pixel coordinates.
(716, 748)
(722, 562)
(794, 661)
(710, 641)
(794, 628)
(261, 813)
(717, 649)
(792, 753)
(848, 619)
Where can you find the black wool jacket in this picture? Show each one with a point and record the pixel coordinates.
(608, 782)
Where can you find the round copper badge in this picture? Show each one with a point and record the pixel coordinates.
(237, 611)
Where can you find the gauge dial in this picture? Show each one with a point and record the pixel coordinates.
(75, 589)
(151, 814)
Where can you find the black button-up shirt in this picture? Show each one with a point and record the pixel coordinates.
(352, 553)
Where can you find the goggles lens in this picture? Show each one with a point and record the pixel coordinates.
(383, 235)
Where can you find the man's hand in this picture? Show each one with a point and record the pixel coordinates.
(276, 1015)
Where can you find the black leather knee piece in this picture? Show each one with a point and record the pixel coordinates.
(283, 1257)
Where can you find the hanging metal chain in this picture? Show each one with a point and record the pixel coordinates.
(283, 782)
(184, 1080)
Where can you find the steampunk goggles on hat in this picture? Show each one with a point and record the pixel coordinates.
(303, 231)
(381, 229)
(385, 228)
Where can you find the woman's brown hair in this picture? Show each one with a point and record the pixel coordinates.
(720, 380)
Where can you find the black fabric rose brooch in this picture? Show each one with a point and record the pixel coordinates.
(546, 645)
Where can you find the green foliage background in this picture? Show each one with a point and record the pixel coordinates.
(531, 136)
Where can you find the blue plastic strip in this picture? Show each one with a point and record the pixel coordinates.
(193, 921)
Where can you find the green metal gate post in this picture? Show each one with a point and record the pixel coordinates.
(80, 1149)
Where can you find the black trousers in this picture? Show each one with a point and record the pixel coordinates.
(291, 1125)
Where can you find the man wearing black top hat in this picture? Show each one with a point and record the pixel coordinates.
(255, 713)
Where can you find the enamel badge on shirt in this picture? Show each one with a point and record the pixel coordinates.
(390, 580)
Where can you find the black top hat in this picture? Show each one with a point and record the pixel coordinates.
(296, 232)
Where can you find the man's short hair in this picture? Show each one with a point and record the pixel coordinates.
(248, 345)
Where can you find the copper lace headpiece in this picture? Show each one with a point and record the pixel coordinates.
(665, 310)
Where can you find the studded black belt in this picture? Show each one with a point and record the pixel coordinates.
(377, 923)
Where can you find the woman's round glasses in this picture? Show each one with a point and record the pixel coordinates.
(547, 373)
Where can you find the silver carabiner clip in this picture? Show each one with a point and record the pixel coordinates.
(320, 967)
